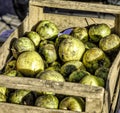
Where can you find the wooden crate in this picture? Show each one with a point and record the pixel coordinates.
(98, 100)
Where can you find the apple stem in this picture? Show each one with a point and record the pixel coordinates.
(87, 21)
(93, 20)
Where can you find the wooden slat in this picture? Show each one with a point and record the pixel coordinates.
(67, 21)
(117, 24)
(57, 87)
(105, 106)
(14, 108)
(112, 79)
(93, 95)
(77, 6)
(35, 15)
(116, 95)
(113, 76)
(94, 105)
(117, 110)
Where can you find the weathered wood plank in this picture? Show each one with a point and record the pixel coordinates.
(52, 86)
(67, 21)
(117, 110)
(94, 105)
(35, 15)
(77, 6)
(106, 104)
(14, 108)
(117, 24)
(111, 82)
(113, 76)
(115, 98)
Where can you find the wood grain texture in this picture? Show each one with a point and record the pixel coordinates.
(116, 101)
(94, 105)
(77, 6)
(52, 86)
(112, 82)
(113, 76)
(117, 24)
(68, 21)
(93, 95)
(106, 104)
(35, 15)
(14, 108)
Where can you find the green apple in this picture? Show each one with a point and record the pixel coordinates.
(22, 44)
(110, 43)
(102, 72)
(47, 30)
(17, 96)
(59, 39)
(92, 80)
(34, 36)
(71, 49)
(51, 75)
(81, 33)
(89, 45)
(72, 103)
(77, 75)
(11, 65)
(98, 31)
(48, 52)
(95, 58)
(47, 101)
(30, 63)
(70, 66)
(3, 90)
(28, 99)
(2, 98)
(54, 66)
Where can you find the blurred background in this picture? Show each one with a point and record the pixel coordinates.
(12, 13)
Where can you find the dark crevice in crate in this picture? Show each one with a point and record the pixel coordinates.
(78, 13)
(30, 98)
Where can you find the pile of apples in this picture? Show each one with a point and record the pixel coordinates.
(79, 54)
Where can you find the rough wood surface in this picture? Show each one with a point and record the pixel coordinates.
(77, 6)
(35, 15)
(117, 110)
(94, 95)
(113, 76)
(14, 108)
(94, 105)
(105, 106)
(52, 86)
(116, 99)
(68, 21)
(117, 24)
